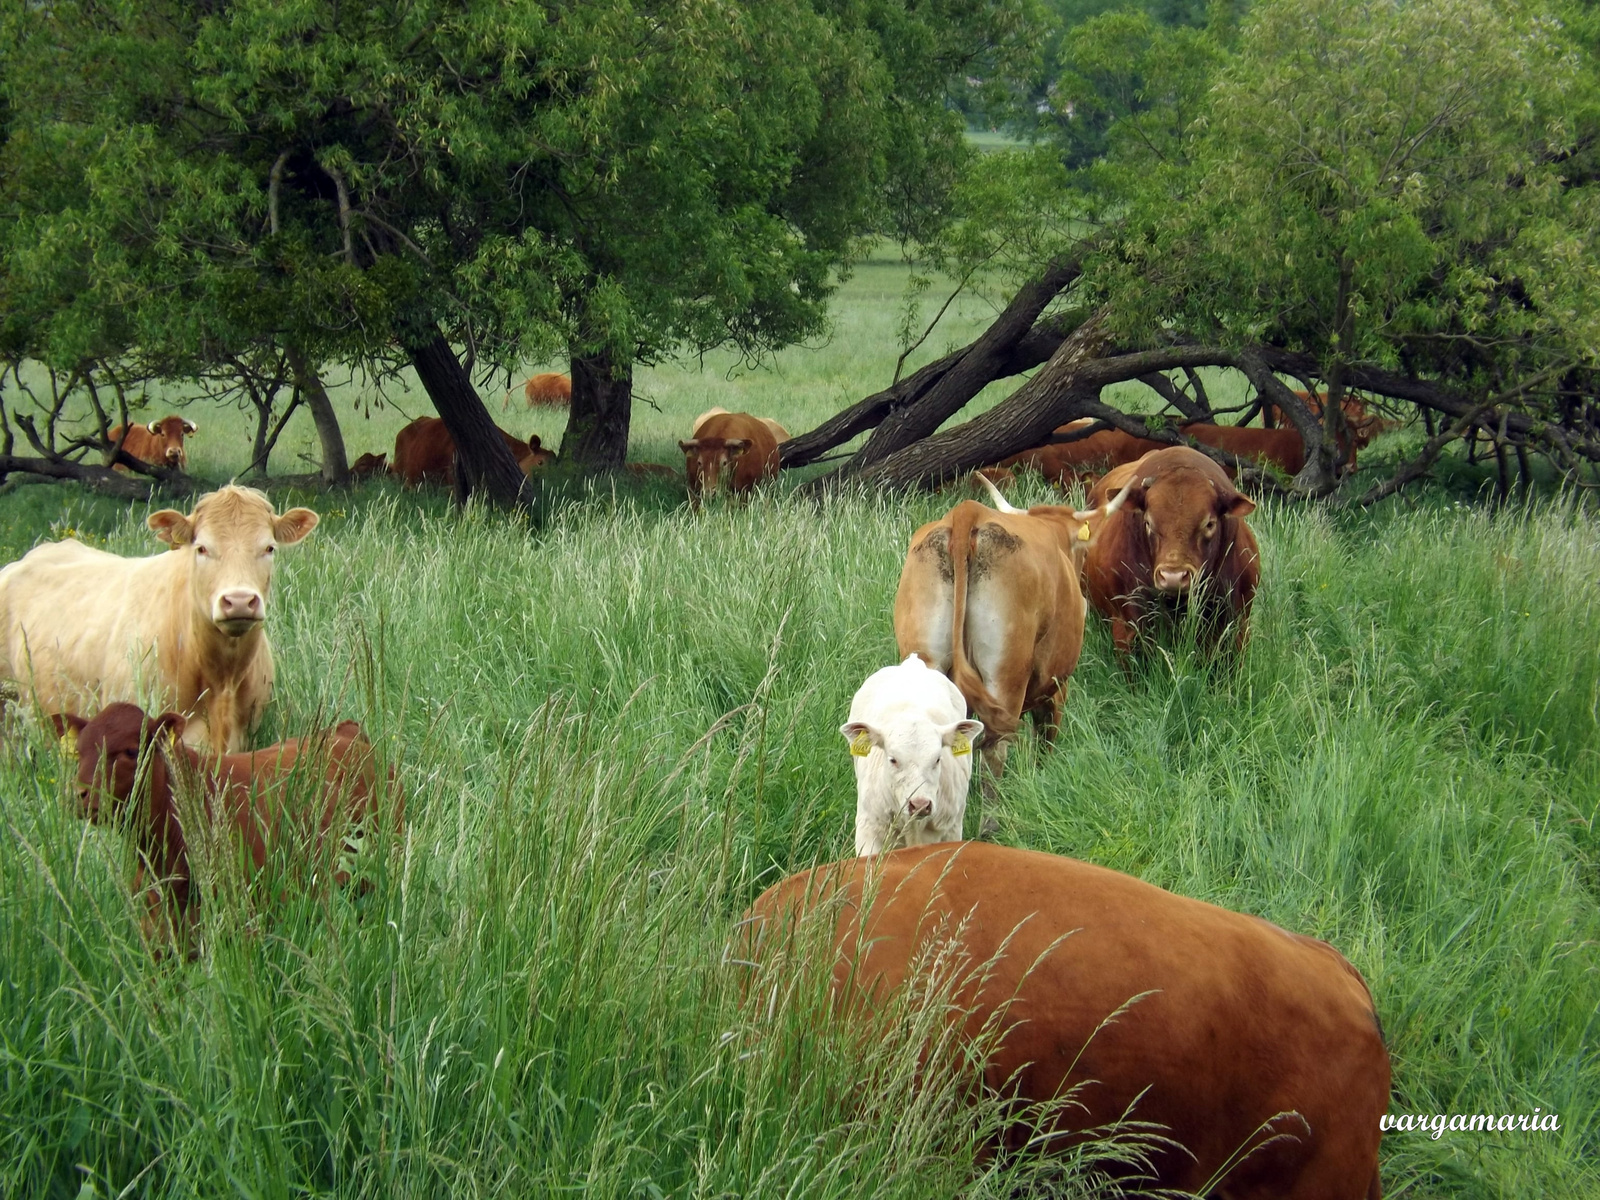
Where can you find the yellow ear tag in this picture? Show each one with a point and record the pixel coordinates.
(961, 744)
(861, 744)
(69, 745)
(1083, 532)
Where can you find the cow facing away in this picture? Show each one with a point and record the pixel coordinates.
(1179, 539)
(733, 446)
(912, 746)
(160, 443)
(83, 628)
(550, 390)
(127, 759)
(1258, 1050)
(424, 452)
(991, 599)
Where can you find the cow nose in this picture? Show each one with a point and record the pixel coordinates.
(919, 807)
(240, 606)
(1168, 580)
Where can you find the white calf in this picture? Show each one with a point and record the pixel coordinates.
(912, 742)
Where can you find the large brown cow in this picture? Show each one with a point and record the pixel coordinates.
(1258, 1050)
(737, 446)
(160, 443)
(121, 751)
(83, 628)
(1179, 538)
(991, 599)
(424, 452)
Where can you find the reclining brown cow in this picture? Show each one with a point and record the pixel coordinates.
(424, 452)
(1178, 539)
(1258, 1051)
(160, 443)
(122, 751)
(735, 450)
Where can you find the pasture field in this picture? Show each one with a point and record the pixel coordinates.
(616, 729)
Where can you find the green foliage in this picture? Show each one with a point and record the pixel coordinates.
(1384, 182)
(631, 179)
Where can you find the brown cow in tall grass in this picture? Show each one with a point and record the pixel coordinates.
(735, 450)
(1178, 540)
(126, 758)
(1255, 1051)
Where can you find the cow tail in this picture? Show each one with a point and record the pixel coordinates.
(963, 524)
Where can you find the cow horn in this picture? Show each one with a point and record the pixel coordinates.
(1111, 507)
(190, 427)
(154, 427)
(999, 500)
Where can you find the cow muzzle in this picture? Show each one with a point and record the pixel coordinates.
(1174, 580)
(238, 611)
(919, 808)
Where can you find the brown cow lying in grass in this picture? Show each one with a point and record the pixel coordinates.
(735, 446)
(424, 452)
(549, 389)
(1179, 538)
(1257, 1050)
(160, 443)
(303, 789)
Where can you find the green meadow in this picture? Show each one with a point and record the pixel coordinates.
(614, 728)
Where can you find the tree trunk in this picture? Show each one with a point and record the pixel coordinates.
(1035, 347)
(975, 370)
(602, 408)
(335, 466)
(1026, 418)
(483, 461)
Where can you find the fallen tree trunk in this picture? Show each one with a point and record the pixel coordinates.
(98, 478)
(969, 375)
(1035, 347)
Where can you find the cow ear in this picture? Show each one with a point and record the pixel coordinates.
(861, 736)
(690, 446)
(171, 526)
(737, 445)
(189, 427)
(534, 443)
(961, 735)
(1239, 506)
(67, 723)
(169, 722)
(293, 525)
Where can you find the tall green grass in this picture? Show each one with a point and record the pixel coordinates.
(615, 731)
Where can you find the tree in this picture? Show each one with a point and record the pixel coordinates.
(1400, 198)
(622, 181)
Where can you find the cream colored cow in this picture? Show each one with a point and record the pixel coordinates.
(186, 628)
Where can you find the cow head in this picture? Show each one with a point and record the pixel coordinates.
(1184, 511)
(908, 756)
(535, 456)
(369, 464)
(708, 459)
(109, 747)
(169, 433)
(231, 538)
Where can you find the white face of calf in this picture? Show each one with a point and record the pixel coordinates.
(231, 537)
(901, 770)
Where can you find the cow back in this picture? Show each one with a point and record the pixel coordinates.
(1207, 1022)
